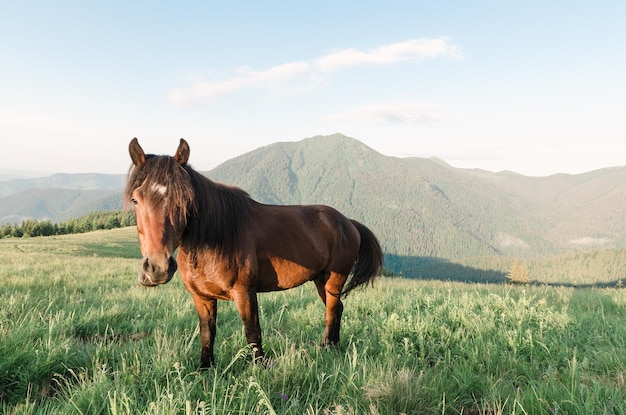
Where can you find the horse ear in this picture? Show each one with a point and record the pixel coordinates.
(136, 152)
(182, 154)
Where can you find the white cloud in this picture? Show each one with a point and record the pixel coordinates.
(394, 112)
(389, 54)
(297, 76)
(246, 78)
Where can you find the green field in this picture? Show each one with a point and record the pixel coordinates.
(79, 335)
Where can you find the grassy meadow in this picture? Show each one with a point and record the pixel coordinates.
(78, 335)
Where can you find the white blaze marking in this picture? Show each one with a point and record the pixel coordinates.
(159, 188)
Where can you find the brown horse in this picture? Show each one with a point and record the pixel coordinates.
(231, 247)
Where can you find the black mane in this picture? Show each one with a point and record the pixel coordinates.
(217, 214)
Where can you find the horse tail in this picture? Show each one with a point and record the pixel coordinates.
(369, 261)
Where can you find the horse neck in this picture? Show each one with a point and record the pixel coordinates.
(218, 213)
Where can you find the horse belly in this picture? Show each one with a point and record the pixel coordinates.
(280, 274)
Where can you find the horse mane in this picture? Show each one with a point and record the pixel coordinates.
(218, 214)
(211, 213)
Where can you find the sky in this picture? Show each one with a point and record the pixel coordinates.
(535, 87)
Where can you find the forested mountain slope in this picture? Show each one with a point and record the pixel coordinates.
(426, 208)
(423, 210)
(56, 204)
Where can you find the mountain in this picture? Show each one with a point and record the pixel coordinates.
(56, 204)
(426, 208)
(82, 181)
(59, 197)
(424, 211)
(11, 174)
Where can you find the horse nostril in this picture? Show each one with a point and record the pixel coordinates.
(147, 266)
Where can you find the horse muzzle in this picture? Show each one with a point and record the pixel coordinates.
(154, 273)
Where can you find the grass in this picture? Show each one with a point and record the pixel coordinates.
(80, 336)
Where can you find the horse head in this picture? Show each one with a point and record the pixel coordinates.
(160, 191)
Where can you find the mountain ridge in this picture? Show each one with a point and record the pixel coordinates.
(419, 207)
(481, 213)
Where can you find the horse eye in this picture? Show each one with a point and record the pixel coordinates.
(133, 201)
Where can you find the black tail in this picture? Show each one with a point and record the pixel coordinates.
(368, 263)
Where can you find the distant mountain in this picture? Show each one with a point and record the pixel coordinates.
(83, 181)
(426, 208)
(56, 204)
(59, 197)
(423, 210)
(11, 174)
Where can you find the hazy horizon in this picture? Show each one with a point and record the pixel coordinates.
(9, 174)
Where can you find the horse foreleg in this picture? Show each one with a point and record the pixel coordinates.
(248, 307)
(207, 313)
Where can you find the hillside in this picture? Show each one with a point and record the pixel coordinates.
(584, 210)
(56, 204)
(59, 197)
(83, 181)
(424, 211)
(424, 208)
(412, 216)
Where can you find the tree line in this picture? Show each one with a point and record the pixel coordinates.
(91, 222)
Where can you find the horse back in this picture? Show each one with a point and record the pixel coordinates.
(295, 244)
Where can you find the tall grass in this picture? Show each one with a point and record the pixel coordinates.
(79, 335)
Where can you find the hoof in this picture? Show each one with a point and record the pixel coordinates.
(206, 365)
(264, 362)
(329, 344)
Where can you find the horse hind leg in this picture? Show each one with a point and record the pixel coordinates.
(329, 291)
